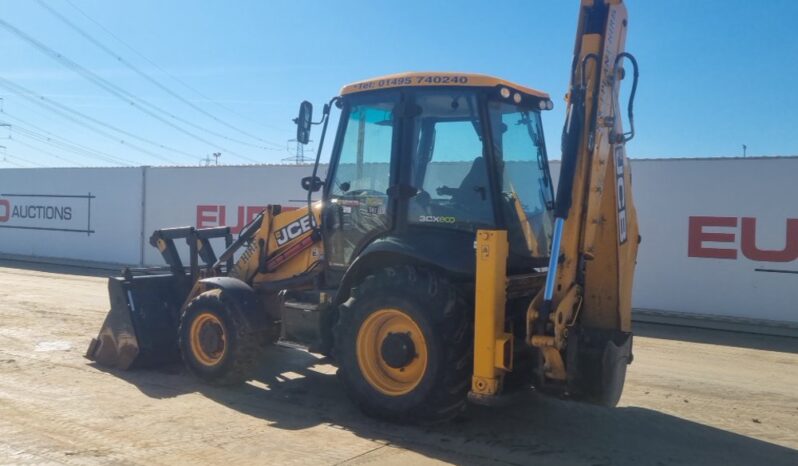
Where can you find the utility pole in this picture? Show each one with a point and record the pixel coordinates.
(745, 150)
(299, 152)
(4, 125)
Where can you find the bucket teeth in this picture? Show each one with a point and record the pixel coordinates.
(116, 345)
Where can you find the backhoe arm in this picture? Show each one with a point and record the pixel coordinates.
(581, 320)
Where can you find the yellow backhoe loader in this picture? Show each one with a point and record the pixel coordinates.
(437, 266)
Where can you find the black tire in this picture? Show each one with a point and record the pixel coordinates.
(602, 370)
(600, 387)
(446, 321)
(242, 347)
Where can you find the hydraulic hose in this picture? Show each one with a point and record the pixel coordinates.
(571, 138)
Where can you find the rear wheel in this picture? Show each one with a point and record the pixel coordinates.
(403, 346)
(215, 341)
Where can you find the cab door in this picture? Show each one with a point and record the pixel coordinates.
(358, 207)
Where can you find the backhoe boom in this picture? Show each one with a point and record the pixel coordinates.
(588, 288)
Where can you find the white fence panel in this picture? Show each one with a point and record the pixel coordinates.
(719, 237)
(91, 214)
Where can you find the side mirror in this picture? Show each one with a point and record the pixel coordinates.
(303, 122)
(312, 183)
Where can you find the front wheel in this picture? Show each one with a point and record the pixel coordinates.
(403, 345)
(215, 341)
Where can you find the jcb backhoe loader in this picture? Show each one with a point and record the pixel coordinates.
(438, 266)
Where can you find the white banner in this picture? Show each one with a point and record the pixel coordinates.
(91, 214)
(720, 236)
(46, 212)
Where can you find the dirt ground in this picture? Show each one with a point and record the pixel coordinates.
(692, 397)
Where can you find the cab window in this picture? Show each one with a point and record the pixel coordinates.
(448, 167)
(365, 160)
(358, 196)
(527, 195)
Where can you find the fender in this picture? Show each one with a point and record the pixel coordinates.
(243, 297)
(448, 251)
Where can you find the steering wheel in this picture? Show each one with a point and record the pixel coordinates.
(423, 200)
(365, 192)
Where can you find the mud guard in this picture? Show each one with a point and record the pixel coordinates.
(244, 298)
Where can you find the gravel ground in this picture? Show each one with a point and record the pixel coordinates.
(692, 397)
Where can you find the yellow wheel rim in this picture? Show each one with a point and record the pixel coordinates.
(208, 339)
(382, 374)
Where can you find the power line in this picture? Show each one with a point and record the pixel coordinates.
(135, 101)
(13, 164)
(64, 144)
(60, 142)
(5, 160)
(75, 148)
(63, 111)
(149, 78)
(37, 165)
(172, 76)
(43, 151)
(43, 101)
(299, 156)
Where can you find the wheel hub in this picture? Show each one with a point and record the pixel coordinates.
(210, 338)
(397, 349)
(391, 352)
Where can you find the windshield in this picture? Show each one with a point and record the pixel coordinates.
(520, 150)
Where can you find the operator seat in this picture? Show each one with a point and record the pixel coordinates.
(473, 190)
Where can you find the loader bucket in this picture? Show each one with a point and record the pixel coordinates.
(140, 330)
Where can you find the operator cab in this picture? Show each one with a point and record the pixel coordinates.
(436, 156)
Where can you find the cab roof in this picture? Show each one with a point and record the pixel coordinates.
(433, 79)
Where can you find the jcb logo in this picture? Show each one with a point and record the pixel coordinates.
(293, 230)
(620, 184)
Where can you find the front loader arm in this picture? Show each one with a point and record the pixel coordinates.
(589, 283)
(285, 247)
(277, 246)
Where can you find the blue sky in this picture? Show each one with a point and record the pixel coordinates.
(715, 75)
